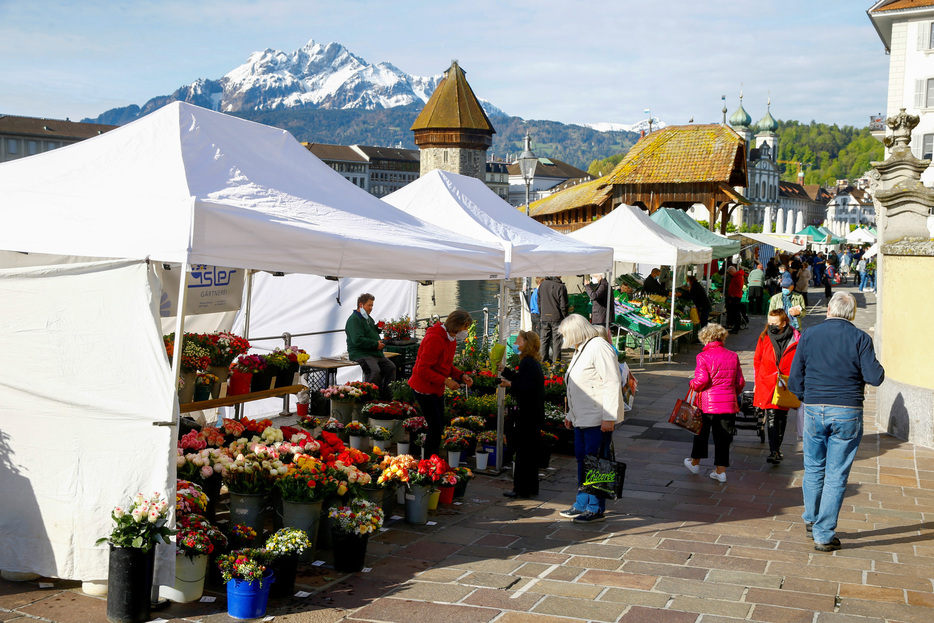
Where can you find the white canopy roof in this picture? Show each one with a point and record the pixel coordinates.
(188, 184)
(783, 244)
(860, 235)
(466, 205)
(636, 238)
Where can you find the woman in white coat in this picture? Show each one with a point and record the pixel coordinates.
(594, 404)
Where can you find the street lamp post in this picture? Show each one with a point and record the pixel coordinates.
(527, 164)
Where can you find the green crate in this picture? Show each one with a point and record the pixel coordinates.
(581, 303)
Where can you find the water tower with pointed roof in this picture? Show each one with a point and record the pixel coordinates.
(453, 131)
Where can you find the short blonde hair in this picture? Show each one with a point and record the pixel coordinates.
(575, 330)
(713, 332)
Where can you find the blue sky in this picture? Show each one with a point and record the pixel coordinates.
(564, 60)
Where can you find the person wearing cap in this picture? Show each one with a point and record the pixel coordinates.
(790, 301)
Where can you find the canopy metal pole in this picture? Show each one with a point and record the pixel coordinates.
(246, 324)
(179, 333)
(501, 391)
(671, 318)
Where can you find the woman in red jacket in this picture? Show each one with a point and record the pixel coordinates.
(434, 370)
(774, 353)
(718, 380)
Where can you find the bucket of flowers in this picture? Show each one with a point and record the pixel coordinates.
(240, 536)
(226, 348)
(207, 386)
(455, 440)
(192, 548)
(415, 425)
(463, 475)
(356, 431)
(286, 361)
(351, 527)
(248, 577)
(242, 372)
(284, 546)
(546, 447)
(397, 332)
(136, 531)
(486, 448)
(332, 426)
(421, 478)
(380, 436)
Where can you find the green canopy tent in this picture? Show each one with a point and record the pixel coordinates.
(832, 239)
(680, 224)
(817, 236)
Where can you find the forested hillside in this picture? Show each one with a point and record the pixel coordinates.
(828, 152)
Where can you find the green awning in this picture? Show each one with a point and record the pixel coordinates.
(680, 224)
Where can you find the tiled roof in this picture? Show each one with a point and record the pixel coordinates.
(453, 106)
(684, 154)
(551, 167)
(388, 153)
(51, 128)
(817, 193)
(795, 191)
(334, 152)
(898, 5)
(595, 192)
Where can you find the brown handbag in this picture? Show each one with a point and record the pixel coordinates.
(686, 415)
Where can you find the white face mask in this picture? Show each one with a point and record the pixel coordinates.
(461, 335)
(595, 280)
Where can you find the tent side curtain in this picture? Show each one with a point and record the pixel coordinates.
(86, 365)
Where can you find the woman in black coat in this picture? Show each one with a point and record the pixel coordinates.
(528, 388)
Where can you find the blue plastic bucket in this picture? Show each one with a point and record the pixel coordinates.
(246, 600)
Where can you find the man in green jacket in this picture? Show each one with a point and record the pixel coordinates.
(365, 347)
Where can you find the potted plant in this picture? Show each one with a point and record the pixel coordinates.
(287, 360)
(285, 545)
(240, 536)
(546, 447)
(351, 527)
(344, 398)
(136, 531)
(302, 399)
(219, 546)
(248, 577)
(192, 548)
(397, 332)
(485, 382)
(421, 477)
(194, 357)
(555, 390)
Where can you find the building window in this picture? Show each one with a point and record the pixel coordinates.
(927, 146)
(32, 147)
(12, 145)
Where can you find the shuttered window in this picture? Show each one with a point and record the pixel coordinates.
(924, 36)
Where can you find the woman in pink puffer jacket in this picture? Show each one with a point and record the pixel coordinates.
(718, 381)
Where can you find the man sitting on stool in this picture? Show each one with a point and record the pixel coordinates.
(365, 347)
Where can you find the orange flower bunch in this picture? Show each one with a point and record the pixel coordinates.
(396, 468)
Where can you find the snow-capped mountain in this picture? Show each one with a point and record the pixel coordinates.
(657, 124)
(314, 76)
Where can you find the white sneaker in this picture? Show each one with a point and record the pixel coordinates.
(694, 469)
(720, 477)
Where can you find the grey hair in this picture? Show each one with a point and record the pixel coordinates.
(842, 305)
(713, 332)
(576, 330)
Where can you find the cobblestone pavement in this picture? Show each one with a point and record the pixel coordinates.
(677, 548)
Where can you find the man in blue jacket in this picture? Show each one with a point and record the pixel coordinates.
(833, 363)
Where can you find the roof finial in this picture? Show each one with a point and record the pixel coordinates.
(768, 103)
(724, 111)
(740, 93)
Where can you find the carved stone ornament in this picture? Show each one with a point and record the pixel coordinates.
(901, 125)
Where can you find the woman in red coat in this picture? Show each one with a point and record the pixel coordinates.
(774, 353)
(434, 370)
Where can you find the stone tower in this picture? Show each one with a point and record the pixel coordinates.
(452, 131)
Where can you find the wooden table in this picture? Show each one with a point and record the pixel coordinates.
(228, 401)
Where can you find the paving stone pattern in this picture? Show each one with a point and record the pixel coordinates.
(677, 548)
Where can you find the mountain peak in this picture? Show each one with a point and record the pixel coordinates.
(317, 75)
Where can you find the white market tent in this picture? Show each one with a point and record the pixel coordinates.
(636, 238)
(468, 206)
(85, 389)
(860, 235)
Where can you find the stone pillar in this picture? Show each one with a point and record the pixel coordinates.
(903, 337)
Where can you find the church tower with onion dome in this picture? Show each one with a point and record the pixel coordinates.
(453, 131)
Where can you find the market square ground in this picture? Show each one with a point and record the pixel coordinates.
(678, 548)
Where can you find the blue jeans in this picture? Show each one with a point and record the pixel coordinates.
(863, 280)
(587, 441)
(831, 438)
